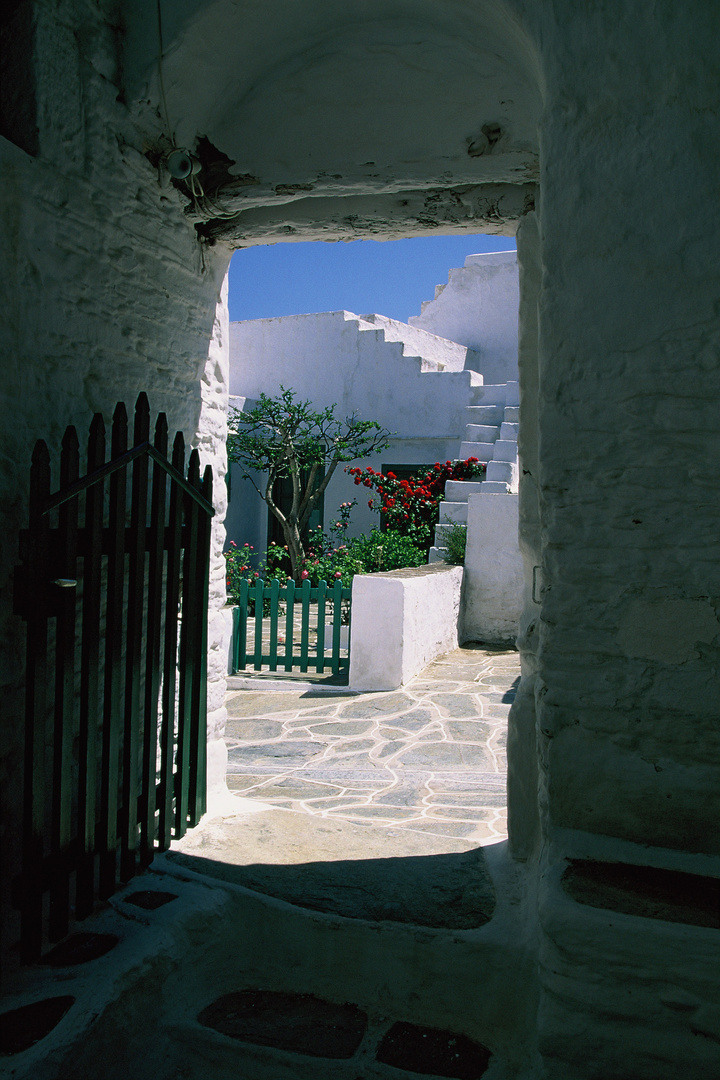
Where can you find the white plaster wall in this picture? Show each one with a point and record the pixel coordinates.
(493, 586)
(329, 359)
(479, 308)
(106, 292)
(402, 620)
(324, 357)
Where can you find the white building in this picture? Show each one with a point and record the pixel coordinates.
(418, 380)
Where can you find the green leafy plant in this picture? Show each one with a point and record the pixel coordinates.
(455, 540)
(239, 567)
(388, 550)
(283, 437)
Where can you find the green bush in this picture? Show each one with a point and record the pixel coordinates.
(455, 541)
(238, 568)
(388, 550)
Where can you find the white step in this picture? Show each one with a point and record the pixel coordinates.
(498, 394)
(503, 471)
(441, 533)
(512, 413)
(453, 512)
(509, 431)
(485, 414)
(483, 451)
(481, 433)
(437, 554)
(505, 450)
(459, 490)
(495, 487)
(492, 394)
(434, 353)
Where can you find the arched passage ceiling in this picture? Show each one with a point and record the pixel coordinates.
(320, 120)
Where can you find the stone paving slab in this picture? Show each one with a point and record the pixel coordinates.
(425, 760)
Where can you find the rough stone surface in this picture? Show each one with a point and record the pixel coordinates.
(404, 778)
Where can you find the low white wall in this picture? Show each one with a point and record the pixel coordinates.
(401, 620)
(492, 593)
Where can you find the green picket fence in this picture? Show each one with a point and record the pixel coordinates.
(307, 611)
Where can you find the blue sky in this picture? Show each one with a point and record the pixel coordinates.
(391, 278)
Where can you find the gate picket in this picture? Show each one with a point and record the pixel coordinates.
(304, 623)
(337, 595)
(137, 540)
(289, 623)
(90, 674)
(197, 800)
(320, 651)
(35, 582)
(170, 655)
(112, 706)
(65, 584)
(156, 547)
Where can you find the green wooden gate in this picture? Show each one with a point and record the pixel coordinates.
(292, 613)
(114, 589)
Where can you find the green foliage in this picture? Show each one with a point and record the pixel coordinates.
(238, 567)
(389, 550)
(281, 431)
(364, 554)
(455, 540)
(283, 437)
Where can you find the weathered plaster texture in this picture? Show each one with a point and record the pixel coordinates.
(402, 620)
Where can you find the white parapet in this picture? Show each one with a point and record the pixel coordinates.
(493, 569)
(401, 620)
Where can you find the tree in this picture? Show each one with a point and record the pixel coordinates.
(283, 437)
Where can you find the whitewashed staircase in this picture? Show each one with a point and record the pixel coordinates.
(434, 353)
(491, 437)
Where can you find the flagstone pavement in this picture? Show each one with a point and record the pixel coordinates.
(427, 760)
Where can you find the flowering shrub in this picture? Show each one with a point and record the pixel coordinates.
(238, 567)
(411, 506)
(328, 557)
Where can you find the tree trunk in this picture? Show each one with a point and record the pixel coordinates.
(296, 550)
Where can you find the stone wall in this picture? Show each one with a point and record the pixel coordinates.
(106, 292)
